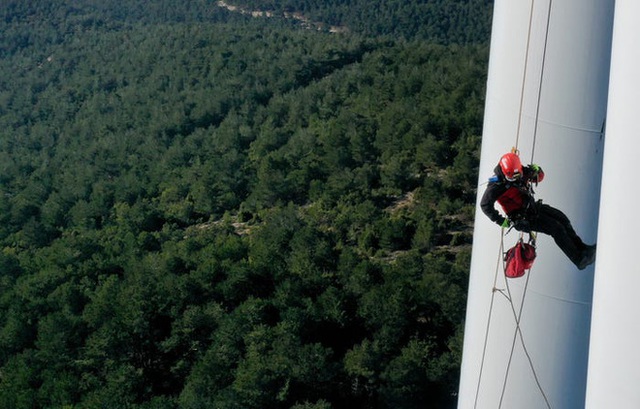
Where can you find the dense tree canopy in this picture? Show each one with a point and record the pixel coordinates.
(441, 21)
(201, 209)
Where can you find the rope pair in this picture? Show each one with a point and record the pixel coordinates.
(517, 314)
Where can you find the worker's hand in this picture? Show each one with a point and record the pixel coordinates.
(522, 225)
(538, 173)
(506, 223)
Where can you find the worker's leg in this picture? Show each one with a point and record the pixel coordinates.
(553, 222)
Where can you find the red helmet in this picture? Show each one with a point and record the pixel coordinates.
(511, 166)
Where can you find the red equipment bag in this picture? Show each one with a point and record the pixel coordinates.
(518, 259)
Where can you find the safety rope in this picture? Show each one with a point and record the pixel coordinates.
(518, 332)
(524, 76)
(544, 58)
(518, 315)
(508, 296)
(486, 335)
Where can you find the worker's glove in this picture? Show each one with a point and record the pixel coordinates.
(537, 173)
(506, 223)
(522, 225)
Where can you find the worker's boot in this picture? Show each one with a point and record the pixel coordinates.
(588, 257)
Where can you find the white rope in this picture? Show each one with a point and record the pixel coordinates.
(517, 315)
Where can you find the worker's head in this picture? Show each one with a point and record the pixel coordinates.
(511, 166)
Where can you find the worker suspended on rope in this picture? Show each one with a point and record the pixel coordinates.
(511, 187)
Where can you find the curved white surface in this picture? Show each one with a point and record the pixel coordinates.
(568, 145)
(614, 357)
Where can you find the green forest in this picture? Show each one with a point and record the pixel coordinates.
(205, 208)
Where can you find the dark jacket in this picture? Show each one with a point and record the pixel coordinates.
(515, 198)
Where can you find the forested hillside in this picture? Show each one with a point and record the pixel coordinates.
(437, 21)
(202, 209)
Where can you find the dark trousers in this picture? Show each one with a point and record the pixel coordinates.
(553, 222)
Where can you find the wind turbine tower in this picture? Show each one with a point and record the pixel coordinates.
(527, 339)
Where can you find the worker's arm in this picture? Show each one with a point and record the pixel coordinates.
(533, 173)
(487, 204)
